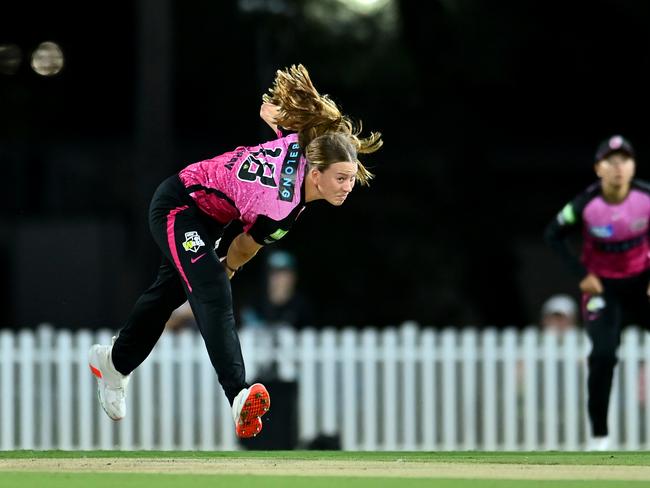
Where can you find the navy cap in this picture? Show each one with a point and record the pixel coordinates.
(613, 144)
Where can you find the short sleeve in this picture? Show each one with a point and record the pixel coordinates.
(266, 230)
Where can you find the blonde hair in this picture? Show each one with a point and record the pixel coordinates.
(326, 135)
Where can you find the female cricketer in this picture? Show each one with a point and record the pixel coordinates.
(614, 269)
(266, 187)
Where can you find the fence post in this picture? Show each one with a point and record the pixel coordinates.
(470, 397)
(613, 417)
(186, 391)
(64, 389)
(165, 407)
(510, 417)
(531, 404)
(550, 391)
(7, 411)
(286, 353)
(448, 355)
(408, 332)
(85, 391)
(27, 392)
(350, 388)
(370, 389)
(490, 389)
(208, 388)
(308, 413)
(630, 371)
(45, 378)
(391, 394)
(429, 411)
(329, 397)
(571, 406)
(143, 383)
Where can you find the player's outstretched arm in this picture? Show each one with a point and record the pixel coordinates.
(241, 250)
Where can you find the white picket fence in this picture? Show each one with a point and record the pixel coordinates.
(406, 388)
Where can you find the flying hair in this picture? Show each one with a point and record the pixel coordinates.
(312, 115)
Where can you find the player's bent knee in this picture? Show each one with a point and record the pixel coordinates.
(214, 293)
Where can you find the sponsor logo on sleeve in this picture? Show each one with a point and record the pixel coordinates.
(567, 215)
(289, 173)
(276, 236)
(639, 224)
(602, 231)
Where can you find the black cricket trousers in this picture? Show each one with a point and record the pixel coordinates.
(190, 270)
(625, 302)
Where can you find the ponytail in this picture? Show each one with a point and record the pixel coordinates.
(304, 110)
(312, 115)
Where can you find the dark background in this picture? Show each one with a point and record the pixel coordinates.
(491, 112)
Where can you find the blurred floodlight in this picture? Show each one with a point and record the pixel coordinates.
(47, 59)
(365, 6)
(363, 20)
(10, 58)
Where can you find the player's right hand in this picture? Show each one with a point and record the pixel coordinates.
(229, 272)
(591, 285)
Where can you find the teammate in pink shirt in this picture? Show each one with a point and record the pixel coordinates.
(612, 216)
(266, 187)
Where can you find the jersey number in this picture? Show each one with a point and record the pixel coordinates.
(253, 169)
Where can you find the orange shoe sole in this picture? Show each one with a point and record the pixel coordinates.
(256, 405)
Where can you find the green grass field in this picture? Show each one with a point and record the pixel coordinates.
(316, 469)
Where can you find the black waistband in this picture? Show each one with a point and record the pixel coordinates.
(619, 246)
(174, 185)
(175, 189)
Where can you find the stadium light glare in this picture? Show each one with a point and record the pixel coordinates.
(47, 59)
(365, 6)
(358, 19)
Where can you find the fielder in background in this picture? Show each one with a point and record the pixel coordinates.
(266, 187)
(280, 302)
(559, 314)
(612, 216)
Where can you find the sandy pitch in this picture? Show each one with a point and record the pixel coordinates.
(290, 467)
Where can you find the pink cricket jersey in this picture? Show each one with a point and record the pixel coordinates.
(615, 236)
(261, 185)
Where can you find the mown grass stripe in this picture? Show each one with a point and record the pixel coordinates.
(545, 458)
(104, 480)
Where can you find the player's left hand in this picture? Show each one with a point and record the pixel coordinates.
(270, 114)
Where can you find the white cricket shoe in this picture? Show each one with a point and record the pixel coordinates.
(247, 410)
(111, 385)
(598, 444)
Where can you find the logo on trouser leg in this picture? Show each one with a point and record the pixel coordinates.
(193, 241)
(595, 306)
